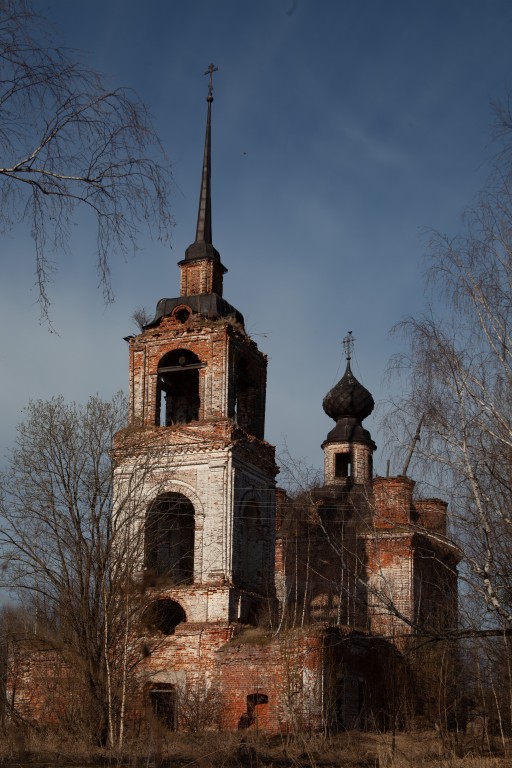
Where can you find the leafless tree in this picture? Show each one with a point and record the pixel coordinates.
(67, 141)
(69, 550)
(141, 317)
(459, 367)
(199, 705)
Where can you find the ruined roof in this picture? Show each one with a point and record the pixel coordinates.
(209, 305)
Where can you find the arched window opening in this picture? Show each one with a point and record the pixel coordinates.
(182, 314)
(169, 539)
(247, 399)
(178, 388)
(342, 465)
(163, 616)
(329, 512)
(252, 537)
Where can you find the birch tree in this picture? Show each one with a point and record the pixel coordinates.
(69, 552)
(459, 370)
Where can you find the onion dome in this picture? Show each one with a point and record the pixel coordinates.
(348, 403)
(348, 398)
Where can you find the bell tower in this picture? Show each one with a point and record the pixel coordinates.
(197, 415)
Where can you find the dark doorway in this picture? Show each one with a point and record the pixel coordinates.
(339, 705)
(256, 706)
(162, 700)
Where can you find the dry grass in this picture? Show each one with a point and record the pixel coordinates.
(250, 750)
(250, 636)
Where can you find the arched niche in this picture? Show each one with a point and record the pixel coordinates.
(251, 543)
(169, 539)
(178, 400)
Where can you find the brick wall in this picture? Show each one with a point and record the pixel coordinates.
(201, 276)
(393, 501)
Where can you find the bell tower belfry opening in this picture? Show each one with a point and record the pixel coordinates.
(197, 412)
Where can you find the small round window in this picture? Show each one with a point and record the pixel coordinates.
(182, 314)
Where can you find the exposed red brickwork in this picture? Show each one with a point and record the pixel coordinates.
(431, 514)
(343, 574)
(38, 683)
(201, 276)
(393, 501)
(223, 349)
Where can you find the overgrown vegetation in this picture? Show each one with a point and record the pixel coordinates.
(68, 556)
(233, 750)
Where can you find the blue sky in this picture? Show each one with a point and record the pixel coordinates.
(340, 131)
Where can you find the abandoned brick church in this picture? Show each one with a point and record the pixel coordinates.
(290, 612)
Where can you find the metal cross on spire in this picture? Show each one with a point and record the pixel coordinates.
(348, 343)
(211, 69)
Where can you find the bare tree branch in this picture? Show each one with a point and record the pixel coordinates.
(459, 367)
(70, 551)
(67, 141)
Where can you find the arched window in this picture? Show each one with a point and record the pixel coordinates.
(251, 567)
(178, 388)
(164, 616)
(248, 405)
(169, 538)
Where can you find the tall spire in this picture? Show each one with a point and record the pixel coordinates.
(202, 270)
(204, 216)
(202, 247)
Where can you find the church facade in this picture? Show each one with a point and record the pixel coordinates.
(286, 612)
(263, 611)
